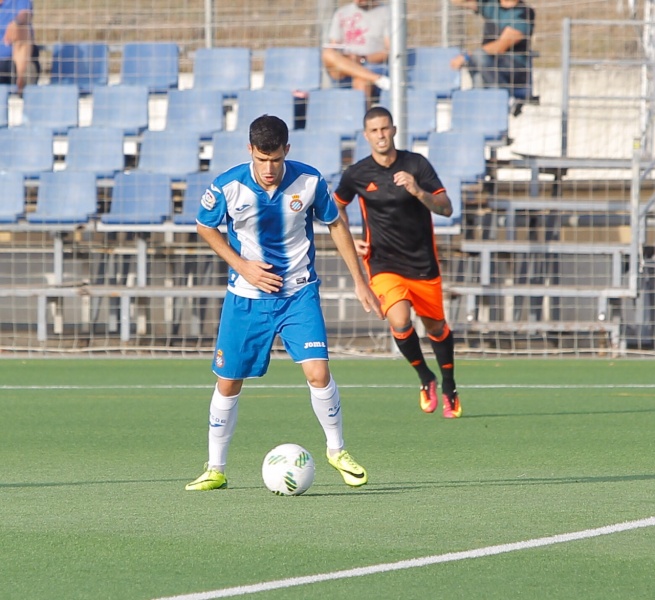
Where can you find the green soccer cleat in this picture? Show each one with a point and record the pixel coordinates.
(353, 474)
(209, 480)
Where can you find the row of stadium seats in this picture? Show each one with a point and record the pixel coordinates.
(123, 111)
(203, 111)
(156, 65)
(68, 199)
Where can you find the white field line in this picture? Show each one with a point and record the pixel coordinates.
(416, 562)
(264, 386)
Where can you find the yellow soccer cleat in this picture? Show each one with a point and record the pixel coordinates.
(209, 480)
(353, 474)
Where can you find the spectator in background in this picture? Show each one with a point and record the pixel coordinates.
(17, 49)
(504, 58)
(358, 46)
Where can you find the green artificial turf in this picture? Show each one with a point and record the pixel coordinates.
(94, 456)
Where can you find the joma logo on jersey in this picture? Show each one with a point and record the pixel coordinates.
(314, 345)
(296, 204)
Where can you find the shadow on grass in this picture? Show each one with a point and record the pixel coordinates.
(538, 481)
(371, 488)
(81, 483)
(558, 414)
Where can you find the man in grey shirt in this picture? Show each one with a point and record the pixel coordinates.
(358, 46)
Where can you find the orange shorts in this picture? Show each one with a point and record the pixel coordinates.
(425, 295)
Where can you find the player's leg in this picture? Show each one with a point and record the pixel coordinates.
(427, 298)
(302, 330)
(242, 350)
(396, 306)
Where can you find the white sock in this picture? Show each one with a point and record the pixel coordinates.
(384, 83)
(327, 408)
(223, 412)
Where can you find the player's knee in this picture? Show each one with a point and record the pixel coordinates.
(402, 331)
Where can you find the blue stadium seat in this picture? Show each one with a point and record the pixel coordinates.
(65, 198)
(362, 147)
(4, 105)
(12, 196)
(453, 187)
(459, 154)
(124, 107)
(255, 103)
(28, 150)
(196, 110)
(97, 150)
(292, 69)
(53, 106)
(421, 112)
(429, 68)
(83, 64)
(139, 198)
(230, 148)
(336, 109)
(153, 64)
(196, 184)
(173, 153)
(320, 149)
(224, 69)
(483, 110)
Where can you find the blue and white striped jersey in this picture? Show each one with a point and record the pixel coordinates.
(274, 227)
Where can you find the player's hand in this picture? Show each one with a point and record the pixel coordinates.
(362, 248)
(368, 299)
(402, 178)
(258, 273)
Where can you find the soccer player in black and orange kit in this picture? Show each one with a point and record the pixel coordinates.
(398, 190)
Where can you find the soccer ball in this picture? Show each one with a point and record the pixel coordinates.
(288, 470)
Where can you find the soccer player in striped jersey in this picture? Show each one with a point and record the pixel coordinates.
(398, 190)
(269, 205)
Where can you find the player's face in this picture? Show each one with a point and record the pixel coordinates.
(379, 133)
(268, 168)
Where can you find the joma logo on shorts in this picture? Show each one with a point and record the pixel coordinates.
(314, 345)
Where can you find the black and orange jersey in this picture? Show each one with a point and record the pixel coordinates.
(397, 225)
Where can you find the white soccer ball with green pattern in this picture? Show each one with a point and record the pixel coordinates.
(288, 470)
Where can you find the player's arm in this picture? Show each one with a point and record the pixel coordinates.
(438, 203)
(509, 37)
(344, 243)
(381, 56)
(255, 272)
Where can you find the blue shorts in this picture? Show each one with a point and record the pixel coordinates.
(248, 328)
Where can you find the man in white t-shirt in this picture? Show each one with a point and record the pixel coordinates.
(358, 46)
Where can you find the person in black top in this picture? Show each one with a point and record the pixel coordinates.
(398, 190)
(503, 59)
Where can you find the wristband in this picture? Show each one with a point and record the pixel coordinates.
(467, 58)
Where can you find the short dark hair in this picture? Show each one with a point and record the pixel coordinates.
(268, 133)
(375, 112)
